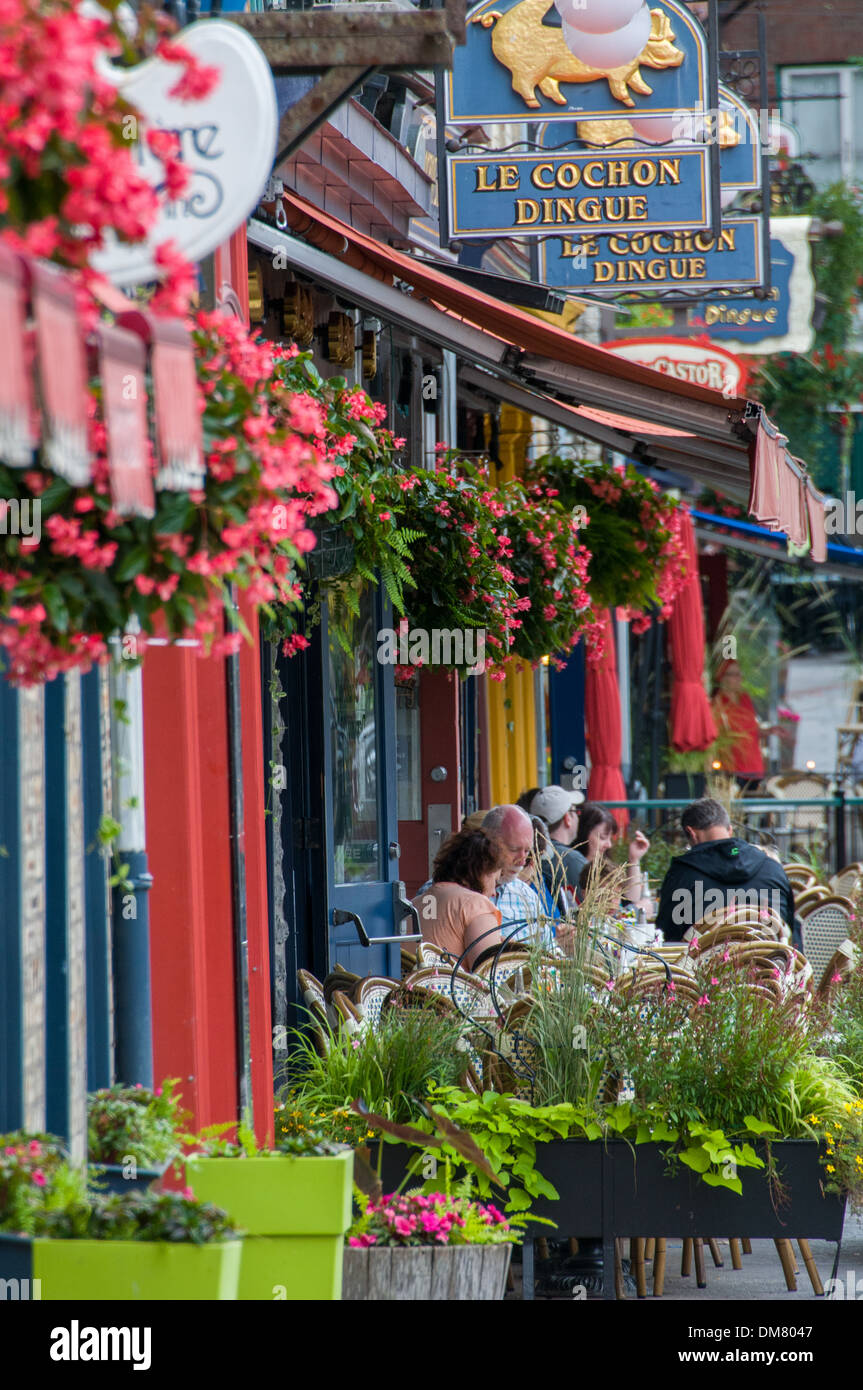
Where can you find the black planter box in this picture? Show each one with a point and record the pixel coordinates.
(646, 1201)
(617, 1189)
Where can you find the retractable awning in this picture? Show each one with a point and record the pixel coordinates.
(511, 355)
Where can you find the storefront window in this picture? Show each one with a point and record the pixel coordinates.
(353, 737)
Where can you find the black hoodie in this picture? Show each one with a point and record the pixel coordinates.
(715, 875)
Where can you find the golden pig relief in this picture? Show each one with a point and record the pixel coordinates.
(537, 55)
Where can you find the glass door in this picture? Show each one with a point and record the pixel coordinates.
(360, 774)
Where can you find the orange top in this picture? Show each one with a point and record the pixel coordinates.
(739, 719)
(452, 916)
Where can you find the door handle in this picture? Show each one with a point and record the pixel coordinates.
(341, 917)
(402, 908)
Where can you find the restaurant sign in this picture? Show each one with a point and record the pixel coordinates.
(530, 195)
(783, 321)
(700, 362)
(690, 260)
(659, 260)
(542, 60)
(227, 140)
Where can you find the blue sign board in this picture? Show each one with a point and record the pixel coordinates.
(530, 195)
(748, 320)
(533, 60)
(654, 259)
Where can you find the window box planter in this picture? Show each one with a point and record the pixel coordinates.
(391, 1274)
(118, 1270)
(136, 1270)
(295, 1212)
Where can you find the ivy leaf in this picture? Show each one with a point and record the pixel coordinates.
(718, 1180)
(756, 1126)
(696, 1158)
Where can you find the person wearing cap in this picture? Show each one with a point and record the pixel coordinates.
(559, 809)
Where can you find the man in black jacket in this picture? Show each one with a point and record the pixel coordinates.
(718, 872)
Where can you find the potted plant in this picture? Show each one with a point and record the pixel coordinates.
(132, 1133)
(293, 1201)
(427, 1247)
(70, 1243)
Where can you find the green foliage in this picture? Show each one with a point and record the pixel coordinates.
(215, 1142)
(631, 531)
(389, 1068)
(144, 1216)
(35, 1177)
(134, 1122)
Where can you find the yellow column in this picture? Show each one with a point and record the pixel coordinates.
(512, 712)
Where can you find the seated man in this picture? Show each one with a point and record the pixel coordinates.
(717, 872)
(559, 809)
(516, 900)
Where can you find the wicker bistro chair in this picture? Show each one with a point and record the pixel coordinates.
(312, 992)
(804, 826)
(349, 1016)
(848, 880)
(810, 898)
(823, 930)
(800, 876)
(430, 954)
(369, 998)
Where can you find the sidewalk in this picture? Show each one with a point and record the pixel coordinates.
(759, 1281)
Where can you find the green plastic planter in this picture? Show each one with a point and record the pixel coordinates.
(132, 1270)
(295, 1212)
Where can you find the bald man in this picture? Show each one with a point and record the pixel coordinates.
(515, 899)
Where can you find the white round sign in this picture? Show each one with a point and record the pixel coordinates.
(227, 140)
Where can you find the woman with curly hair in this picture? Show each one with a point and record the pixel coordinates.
(457, 909)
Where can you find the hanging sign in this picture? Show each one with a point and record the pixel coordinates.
(679, 260)
(664, 257)
(227, 139)
(18, 433)
(534, 59)
(702, 363)
(783, 321)
(64, 394)
(123, 370)
(531, 195)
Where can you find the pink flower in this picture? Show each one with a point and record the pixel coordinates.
(38, 1177)
(703, 1001)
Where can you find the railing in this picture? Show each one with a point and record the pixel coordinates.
(829, 829)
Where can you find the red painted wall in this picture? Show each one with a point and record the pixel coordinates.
(439, 744)
(186, 794)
